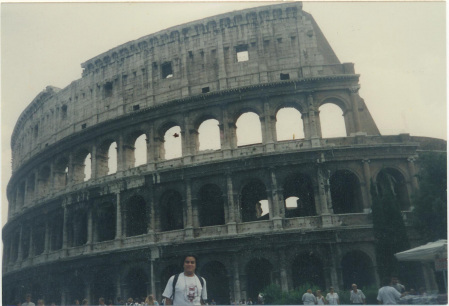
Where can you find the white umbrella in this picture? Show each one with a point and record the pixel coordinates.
(427, 252)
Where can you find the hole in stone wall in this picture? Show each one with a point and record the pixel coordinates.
(112, 158)
(136, 107)
(209, 135)
(248, 129)
(289, 124)
(172, 143)
(83, 126)
(285, 76)
(140, 151)
(107, 89)
(205, 90)
(242, 53)
(88, 168)
(36, 130)
(64, 112)
(332, 121)
(167, 71)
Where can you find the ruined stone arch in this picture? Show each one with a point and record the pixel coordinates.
(331, 123)
(391, 180)
(253, 191)
(61, 172)
(346, 193)
(174, 140)
(171, 211)
(135, 153)
(299, 185)
(136, 216)
(258, 275)
(105, 221)
(77, 227)
(217, 277)
(44, 184)
(307, 267)
(79, 166)
(248, 126)
(211, 205)
(357, 267)
(104, 161)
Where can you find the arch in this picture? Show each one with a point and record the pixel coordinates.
(78, 166)
(106, 164)
(136, 216)
(26, 235)
(346, 194)
(60, 173)
(78, 227)
(105, 222)
(248, 129)
(30, 186)
(140, 150)
(44, 180)
(258, 276)
(171, 211)
(38, 238)
(56, 228)
(299, 186)
(289, 124)
(112, 158)
(357, 267)
(136, 283)
(172, 143)
(250, 201)
(88, 167)
(211, 205)
(217, 279)
(390, 181)
(331, 119)
(209, 135)
(103, 286)
(307, 268)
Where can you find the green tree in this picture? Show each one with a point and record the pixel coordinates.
(430, 202)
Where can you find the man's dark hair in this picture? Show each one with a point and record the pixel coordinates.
(386, 281)
(189, 255)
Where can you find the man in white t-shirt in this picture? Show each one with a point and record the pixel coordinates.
(332, 297)
(388, 295)
(28, 301)
(189, 288)
(356, 296)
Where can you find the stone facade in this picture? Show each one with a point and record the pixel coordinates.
(122, 234)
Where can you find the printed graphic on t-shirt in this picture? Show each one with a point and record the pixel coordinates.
(192, 292)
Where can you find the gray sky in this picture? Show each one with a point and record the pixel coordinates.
(398, 48)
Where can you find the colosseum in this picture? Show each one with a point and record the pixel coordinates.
(87, 220)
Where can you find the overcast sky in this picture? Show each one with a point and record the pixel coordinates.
(398, 48)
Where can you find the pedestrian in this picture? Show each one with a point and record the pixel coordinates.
(388, 294)
(101, 301)
(85, 302)
(308, 298)
(149, 300)
(28, 301)
(249, 302)
(186, 288)
(320, 298)
(332, 297)
(397, 285)
(357, 297)
(40, 302)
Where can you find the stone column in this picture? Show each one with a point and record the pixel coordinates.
(412, 172)
(94, 162)
(188, 229)
(231, 226)
(71, 172)
(306, 125)
(278, 211)
(236, 274)
(152, 276)
(367, 201)
(90, 231)
(353, 93)
(65, 230)
(283, 270)
(118, 224)
(313, 128)
(429, 276)
(19, 249)
(52, 177)
(323, 188)
(31, 245)
(47, 238)
(87, 292)
(269, 127)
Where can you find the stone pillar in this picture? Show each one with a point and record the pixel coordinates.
(283, 271)
(367, 201)
(19, 249)
(90, 231)
(353, 93)
(412, 172)
(236, 275)
(118, 224)
(94, 162)
(118, 287)
(52, 177)
(87, 292)
(269, 127)
(71, 171)
(189, 210)
(429, 277)
(65, 230)
(153, 278)
(306, 125)
(313, 128)
(47, 238)
(323, 189)
(277, 205)
(231, 225)
(30, 246)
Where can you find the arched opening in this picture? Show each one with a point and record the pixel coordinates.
(78, 226)
(345, 192)
(357, 268)
(39, 239)
(136, 217)
(390, 181)
(299, 197)
(112, 158)
(258, 276)
(20, 199)
(289, 124)
(60, 173)
(172, 215)
(217, 279)
(44, 181)
(307, 268)
(250, 202)
(56, 228)
(332, 121)
(136, 282)
(209, 135)
(249, 130)
(105, 224)
(76, 289)
(140, 150)
(211, 206)
(79, 166)
(88, 167)
(25, 241)
(103, 286)
(31, 187)
(173, 143)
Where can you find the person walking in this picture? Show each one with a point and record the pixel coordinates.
(308, 298)
(320, 298)
(186, 288)
(357, 297)
(388, 294)
(332, 297)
